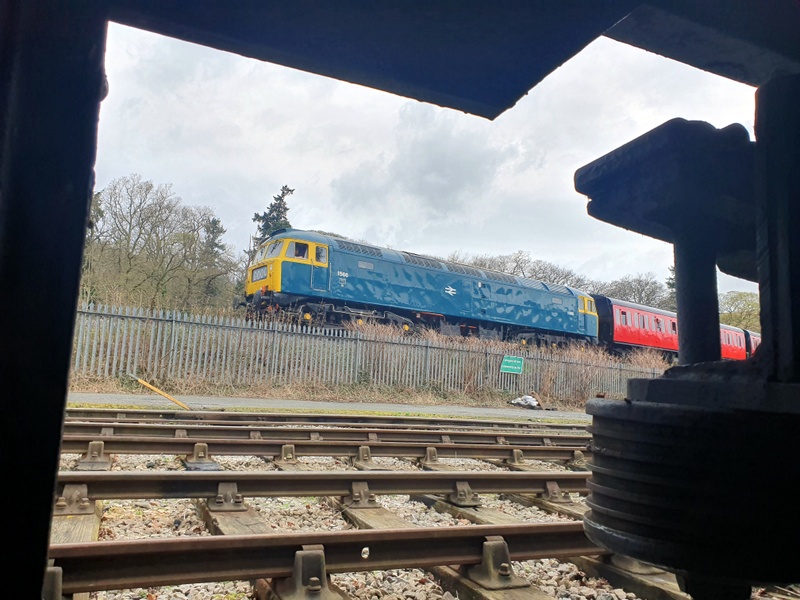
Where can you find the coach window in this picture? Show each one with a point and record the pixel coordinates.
(623, 318)
(674, 327)
(658, 324)
(321, 255)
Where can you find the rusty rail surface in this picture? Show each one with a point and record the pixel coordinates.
(290, 434)
(118, 485)
(348, 420)
(73, 443)
(98, 566)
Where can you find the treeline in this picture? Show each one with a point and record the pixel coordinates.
(146, 248)
(740, 309)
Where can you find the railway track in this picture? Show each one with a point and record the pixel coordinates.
(340, 433)
(107, 415)
(484, 553)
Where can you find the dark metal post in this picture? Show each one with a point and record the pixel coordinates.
(696, 295)
(51, 81)
(778, 199)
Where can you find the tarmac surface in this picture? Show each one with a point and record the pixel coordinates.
(155, 401)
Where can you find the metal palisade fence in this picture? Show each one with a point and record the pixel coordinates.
(170, 346)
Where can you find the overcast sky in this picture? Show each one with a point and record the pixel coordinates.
(227, 132)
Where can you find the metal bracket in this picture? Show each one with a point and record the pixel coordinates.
(181, 433)
(494, 573)
(74, 501)
(288, 454)
(314, 436)
(200, 460)
(463, 495)
(446, 439)
(554, 494)
(363, 461)
(228, 499)
(309, 578)
(431, 456)
(360, 496)
(95, 458)
(516, 458)
(546, 441)
(502, 440)
(578, 462)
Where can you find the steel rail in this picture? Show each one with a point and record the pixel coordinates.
(98, 566)
(124, 485)
(289, 434)
(71, 443)
(350, 420)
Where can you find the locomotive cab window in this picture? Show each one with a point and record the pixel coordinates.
(274, 249)
(297, 250)
(321, 255)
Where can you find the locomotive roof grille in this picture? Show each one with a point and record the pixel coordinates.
(465, 270)
(533, 283)
(556, 287)
(359, 248)
(505, 278)
(415, 259)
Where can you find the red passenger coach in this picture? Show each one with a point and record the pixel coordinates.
(733, 343)
(625, 324)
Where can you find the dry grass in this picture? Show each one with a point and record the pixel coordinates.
(591, 361)
(353, 393)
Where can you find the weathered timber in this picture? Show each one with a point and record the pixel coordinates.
(450, 579)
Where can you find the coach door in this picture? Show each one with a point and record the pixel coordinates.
(320, 270)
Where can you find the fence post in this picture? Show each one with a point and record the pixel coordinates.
(356, 362)
(427, 362)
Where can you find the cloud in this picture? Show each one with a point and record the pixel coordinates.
(228, 132)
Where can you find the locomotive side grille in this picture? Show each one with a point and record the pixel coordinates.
(415, 259)
(360, 248)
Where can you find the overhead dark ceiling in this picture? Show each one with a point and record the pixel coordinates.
(472, 55)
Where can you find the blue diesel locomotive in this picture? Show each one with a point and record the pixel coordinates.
(323, 279)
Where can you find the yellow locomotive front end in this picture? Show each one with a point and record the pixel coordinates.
(264, 275)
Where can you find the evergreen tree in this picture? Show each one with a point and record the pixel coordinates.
(670, 300)
(275, 217)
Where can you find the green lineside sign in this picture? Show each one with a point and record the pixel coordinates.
(512, 364)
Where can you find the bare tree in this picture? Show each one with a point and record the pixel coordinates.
(147, 248)
(521, 264)
(642, 288)
(740, 309)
